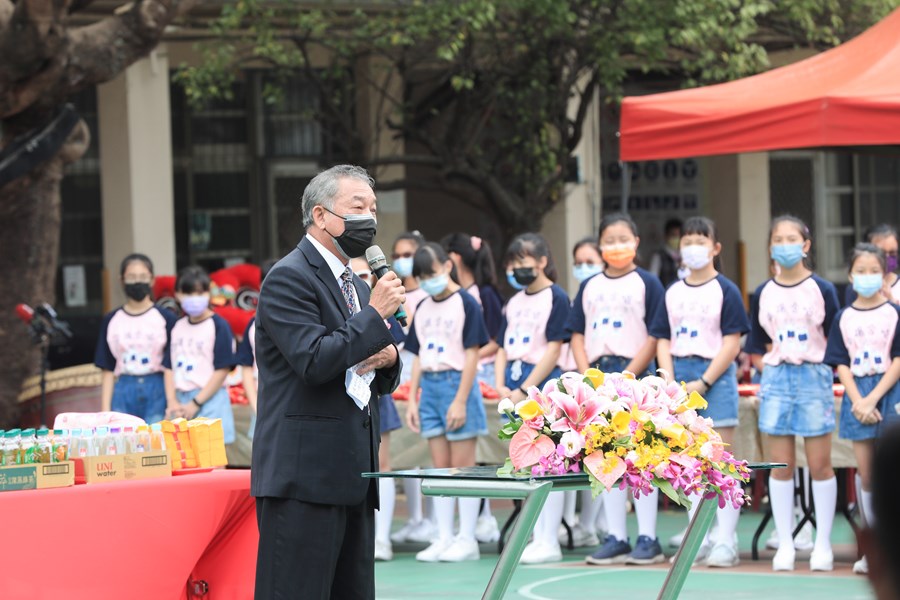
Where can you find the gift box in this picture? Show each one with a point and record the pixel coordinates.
(178, 443)
(208, 442)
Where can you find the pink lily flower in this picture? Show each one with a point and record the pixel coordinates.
(578, 411)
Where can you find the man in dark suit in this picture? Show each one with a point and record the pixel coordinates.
(315, 321)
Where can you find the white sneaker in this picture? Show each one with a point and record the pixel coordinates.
(675, 540)
(486, 530)
(581, 537)
(723, 556)
(424, 532)
(784, 559)
(821, 560)
(539, 552)
(861, 567)
(804, 538)
(459, 550)
(383, 550)
(402, 535)
(773, 541)
(702, 553)
(433, 552)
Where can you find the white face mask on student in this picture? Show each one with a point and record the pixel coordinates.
(695, 257)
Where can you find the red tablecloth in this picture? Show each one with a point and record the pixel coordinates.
(134, 539)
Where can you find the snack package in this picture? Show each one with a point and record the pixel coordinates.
(178, 443)
(208, 441)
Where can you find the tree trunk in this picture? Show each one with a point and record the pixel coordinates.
(30, 220)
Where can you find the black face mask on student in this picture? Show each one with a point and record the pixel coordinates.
(359, 233)
(137, 291)
(525, 275)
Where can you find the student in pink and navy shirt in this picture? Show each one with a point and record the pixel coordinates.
(864, 346)
(615, 322)
(706, 319)
(133, 348)
(246, 356)
(531, 336)
(885, 238)
(789, 323)
(445, 337)
(201, 353)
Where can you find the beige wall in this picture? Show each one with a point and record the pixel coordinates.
(136, 168)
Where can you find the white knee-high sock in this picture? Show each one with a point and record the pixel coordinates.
(386, 495)
(551, 518)
(468, 517)
(646, 508)
(486, 509)
(825, 497)
(727, 519)
(614, 507)
(591, 508)
(781, 498)
(866, 500)
(569, 507)
(444, 509)
(427, 507)
(695, 504)
(412, 488)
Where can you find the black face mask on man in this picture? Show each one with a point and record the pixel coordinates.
(359, 234)
(137, 291)
(524, 275)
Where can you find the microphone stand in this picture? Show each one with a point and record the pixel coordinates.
(42, 334)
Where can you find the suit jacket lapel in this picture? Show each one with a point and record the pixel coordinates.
(362, 292)
(323, 272)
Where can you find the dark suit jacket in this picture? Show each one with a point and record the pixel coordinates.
(311, 440)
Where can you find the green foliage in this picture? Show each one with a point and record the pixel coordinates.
(493, 93)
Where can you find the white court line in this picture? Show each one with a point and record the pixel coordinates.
(527, 591)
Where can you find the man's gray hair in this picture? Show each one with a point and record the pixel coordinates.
(324, 187)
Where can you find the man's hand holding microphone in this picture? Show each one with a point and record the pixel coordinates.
(388, 296)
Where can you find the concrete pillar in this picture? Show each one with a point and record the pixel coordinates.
(739, 204)
(578, 214)
(136, 168)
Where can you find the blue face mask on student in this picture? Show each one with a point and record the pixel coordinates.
(511, 279)
(788, 255)
(586, 271)
(403, 266)
(434, 286)
(868, 285)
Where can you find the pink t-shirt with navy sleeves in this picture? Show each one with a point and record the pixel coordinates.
(794, 319)
(700, 316)
(246, 351)
(618, 314)
(200, 349)
(134, 344)
(866, 340)
(413, 299)
(444, 329)
(532, 321)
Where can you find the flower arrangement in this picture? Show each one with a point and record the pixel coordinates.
(637, 432)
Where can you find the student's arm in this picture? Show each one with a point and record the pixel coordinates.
(412, 403)
(578, 352)
(172, 404)
(107, 382)
(642, 359)
(888, 380)
(488, 349)
(544, 366)
(664, 358)
(456, 414)
(856, 400)
(206, 393)
(249, 385)
(500, 373)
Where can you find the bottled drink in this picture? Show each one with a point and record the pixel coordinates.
(157, 439)
(60, 446)
(115, 442)
(27, 447)
(43, 449)
(102, 442)
(142, 439)
(10, 448)
(130, 438)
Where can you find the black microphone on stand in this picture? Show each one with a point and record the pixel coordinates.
(380, 267)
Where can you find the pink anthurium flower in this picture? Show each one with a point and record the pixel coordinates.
(528, 446)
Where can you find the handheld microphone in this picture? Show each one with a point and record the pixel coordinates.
(379, 266)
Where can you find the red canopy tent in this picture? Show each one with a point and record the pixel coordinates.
(846, 96)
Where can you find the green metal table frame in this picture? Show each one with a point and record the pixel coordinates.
(483, 482)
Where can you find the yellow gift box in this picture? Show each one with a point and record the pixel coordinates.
(178, 443)
(208, 441)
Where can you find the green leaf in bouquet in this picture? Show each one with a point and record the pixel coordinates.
(560, 386)
(666, 488)
(509, 429)
(597, 486)
(507, 468)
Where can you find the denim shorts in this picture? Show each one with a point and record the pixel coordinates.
(390, 420)
(523, 370)
(722, 397)
(438, 391)
(217, 407)
(852, 429)
(143, 396)
(486, 373)
(617, 364)
(796, 400)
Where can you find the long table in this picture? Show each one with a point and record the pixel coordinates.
(157, 538)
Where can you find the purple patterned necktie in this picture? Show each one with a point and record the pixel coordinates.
(347, 289)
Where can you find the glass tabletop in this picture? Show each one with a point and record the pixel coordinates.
(490, 473)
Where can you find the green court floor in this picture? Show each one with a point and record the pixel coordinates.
(572, 579)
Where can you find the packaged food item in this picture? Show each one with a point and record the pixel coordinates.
(208, 441)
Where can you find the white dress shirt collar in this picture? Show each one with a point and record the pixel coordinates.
(333, 262)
